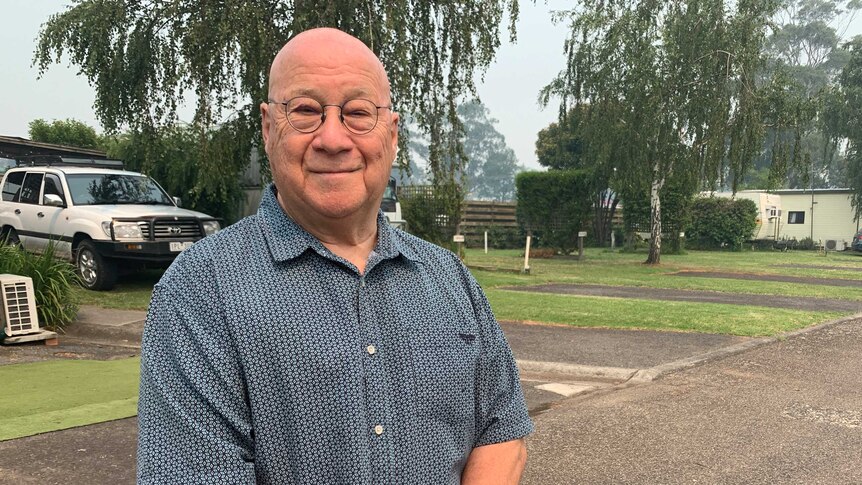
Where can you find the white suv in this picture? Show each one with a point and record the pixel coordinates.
(99, 218)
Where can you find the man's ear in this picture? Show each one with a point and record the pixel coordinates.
(393, 131)
(265, 121)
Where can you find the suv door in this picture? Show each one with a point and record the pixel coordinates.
(26, 208)
(49, 222)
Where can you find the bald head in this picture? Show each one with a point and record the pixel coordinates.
(325, 48)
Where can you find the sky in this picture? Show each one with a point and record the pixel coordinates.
(509, 89)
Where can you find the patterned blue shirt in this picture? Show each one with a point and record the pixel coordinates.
(268, 359)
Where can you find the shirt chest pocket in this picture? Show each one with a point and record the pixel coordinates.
(444, 364)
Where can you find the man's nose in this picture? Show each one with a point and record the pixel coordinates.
(332, 136)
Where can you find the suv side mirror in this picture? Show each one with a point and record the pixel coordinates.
(177, 201)
(53, 200)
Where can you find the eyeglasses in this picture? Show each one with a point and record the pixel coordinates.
(306, 115)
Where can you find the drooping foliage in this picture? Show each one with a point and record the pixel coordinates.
(673, 90)
(203, 168)
(554, 205)
(146, 58)
(491, 164)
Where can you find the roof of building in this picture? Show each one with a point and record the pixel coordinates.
(15, 147)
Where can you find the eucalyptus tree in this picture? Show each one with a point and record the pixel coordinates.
(67, 132)
(843, 118)
(806, 45)
(145, 58)
(672, 90)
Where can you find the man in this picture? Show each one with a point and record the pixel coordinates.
(311, 343)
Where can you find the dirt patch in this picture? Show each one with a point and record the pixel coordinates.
(805, 280)
(772, 301)
(66, 350)
(815, 266)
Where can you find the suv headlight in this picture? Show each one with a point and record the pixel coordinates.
(127, 230)
(211, 227)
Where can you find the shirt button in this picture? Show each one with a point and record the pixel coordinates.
(378, 430)
(371, 349)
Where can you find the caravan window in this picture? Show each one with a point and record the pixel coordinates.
(795, 217)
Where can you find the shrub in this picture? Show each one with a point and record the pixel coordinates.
(431, 212)
(806, 243)
(53, 280)
(718, 222)
(555, 205)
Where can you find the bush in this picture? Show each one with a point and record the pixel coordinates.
(718, 222)
(555, 205)
(430, 213)
(53, 280)
(499, 237)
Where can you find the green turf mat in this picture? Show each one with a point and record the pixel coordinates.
(49, 396)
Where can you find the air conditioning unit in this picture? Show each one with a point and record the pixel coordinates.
(835, 245)
(18, 305)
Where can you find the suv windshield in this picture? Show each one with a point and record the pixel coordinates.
(97, 189)
(6, 164)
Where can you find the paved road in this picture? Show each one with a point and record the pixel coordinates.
(787, 412)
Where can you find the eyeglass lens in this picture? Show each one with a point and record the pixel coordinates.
(306, 114)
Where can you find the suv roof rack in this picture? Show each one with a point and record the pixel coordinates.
(58, 161)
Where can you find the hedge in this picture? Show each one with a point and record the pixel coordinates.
(555, 205)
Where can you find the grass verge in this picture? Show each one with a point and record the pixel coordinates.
(581, 311)
(50, 396)
(133, 292)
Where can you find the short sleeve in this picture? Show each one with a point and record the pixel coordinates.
(503, 414)
(193, 415)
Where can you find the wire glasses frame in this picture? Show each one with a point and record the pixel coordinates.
(306, 114)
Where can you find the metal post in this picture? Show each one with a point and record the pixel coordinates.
(486, 242)
(581, 236)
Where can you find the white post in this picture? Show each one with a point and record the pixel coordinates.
(613, 240)
(527, 255)
(486, 242)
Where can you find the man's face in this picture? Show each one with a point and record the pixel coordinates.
(331, 172)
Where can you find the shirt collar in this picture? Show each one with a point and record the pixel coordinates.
(287, 239)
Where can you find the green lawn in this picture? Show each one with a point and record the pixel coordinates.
(131, 293)
(54, 395)
(620, 269)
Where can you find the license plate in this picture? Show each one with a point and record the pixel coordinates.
(177, 247)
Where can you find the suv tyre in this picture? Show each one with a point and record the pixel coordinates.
(10, 237)
(95, 272)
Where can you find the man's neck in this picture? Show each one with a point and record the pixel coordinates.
(352, 238)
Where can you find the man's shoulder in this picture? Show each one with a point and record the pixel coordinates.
(232, 242)
(434, 258)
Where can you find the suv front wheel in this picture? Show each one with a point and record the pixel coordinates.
(96, 272)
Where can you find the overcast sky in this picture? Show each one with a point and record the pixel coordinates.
(509, 90)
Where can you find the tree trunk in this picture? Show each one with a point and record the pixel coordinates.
(599, 220)
(655, 219)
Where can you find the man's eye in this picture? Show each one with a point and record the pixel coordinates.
(357, 113)
(305, 110)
